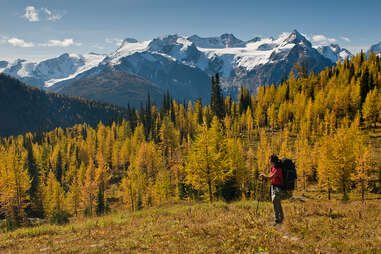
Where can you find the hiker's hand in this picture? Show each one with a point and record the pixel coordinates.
(263, 176)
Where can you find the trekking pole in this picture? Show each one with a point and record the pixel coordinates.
(258, 198)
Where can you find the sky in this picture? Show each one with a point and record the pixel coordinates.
(40, 29)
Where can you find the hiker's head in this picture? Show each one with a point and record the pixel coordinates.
(274, 160)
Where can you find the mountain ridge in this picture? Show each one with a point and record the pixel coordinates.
(182, 65)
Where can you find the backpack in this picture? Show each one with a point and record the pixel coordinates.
(289, 174)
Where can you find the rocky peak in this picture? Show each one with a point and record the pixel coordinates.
(230, 41)
(158, 44)
(296, 38)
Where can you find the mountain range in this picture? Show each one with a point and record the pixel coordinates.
(181, 65)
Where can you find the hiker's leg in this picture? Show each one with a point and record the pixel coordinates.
(278, 209)
(278, 212)
(273, 199)
(281, 215)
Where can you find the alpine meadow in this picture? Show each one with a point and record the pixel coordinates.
(328, 123)
(200, 127)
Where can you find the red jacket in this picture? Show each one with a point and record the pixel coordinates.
(278, 178)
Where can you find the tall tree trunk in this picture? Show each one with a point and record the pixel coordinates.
(362, 190)
(210, 191)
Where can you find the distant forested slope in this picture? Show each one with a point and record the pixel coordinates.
(24, 109)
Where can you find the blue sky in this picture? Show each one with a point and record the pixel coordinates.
(38, 29)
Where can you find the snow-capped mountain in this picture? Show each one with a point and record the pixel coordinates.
(375, 48)
(223, 41)
(225, 54)
(49, 72)
(182, 65)
(334, 52)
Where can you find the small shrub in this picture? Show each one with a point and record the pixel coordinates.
(246, 204)
(87, 212)
(60, 217)
(345, 197)
(220, 204)
(7, 225)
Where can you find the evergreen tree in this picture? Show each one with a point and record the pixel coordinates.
(100, 205)
(372, 107)
(217, 98)
(244, 99)
(54, 196)
(14, 184)
(206, 162)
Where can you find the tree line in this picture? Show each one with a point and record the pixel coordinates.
(325, 122)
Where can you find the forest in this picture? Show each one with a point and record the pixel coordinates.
(327, 123)
(28, 109)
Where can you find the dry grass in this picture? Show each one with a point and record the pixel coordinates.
(314, 226)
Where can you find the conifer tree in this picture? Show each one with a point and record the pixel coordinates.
(303, 160)
(14, 184)
(217, 98)
(238, 170)
(100, 204)
(89, 188)
(372, 107)
(206, 162)
(244, 99)
(342, 160)
(285, 149)
(33, 170)
(325, 171)
(363, 170)
(54, 196)
(74, 197)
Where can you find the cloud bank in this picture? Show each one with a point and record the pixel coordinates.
(32, 14)
(322, 39)
(64, 43)
(20, 43)
(17, 42)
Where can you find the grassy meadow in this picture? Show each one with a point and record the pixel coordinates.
(312, 225)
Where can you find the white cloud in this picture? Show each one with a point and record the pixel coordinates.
(64, 43)
(20, 43)
(346, 39)
(322, 39)
(31, 14)
(53, 15)
(116, 41)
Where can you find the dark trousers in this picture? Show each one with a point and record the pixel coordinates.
(276, 199)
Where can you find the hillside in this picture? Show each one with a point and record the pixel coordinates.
(115, 86)
(312, 226)
(26, 109)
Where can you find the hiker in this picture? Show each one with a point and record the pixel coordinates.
(276, 178)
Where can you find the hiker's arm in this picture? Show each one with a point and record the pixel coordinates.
(268, 177)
